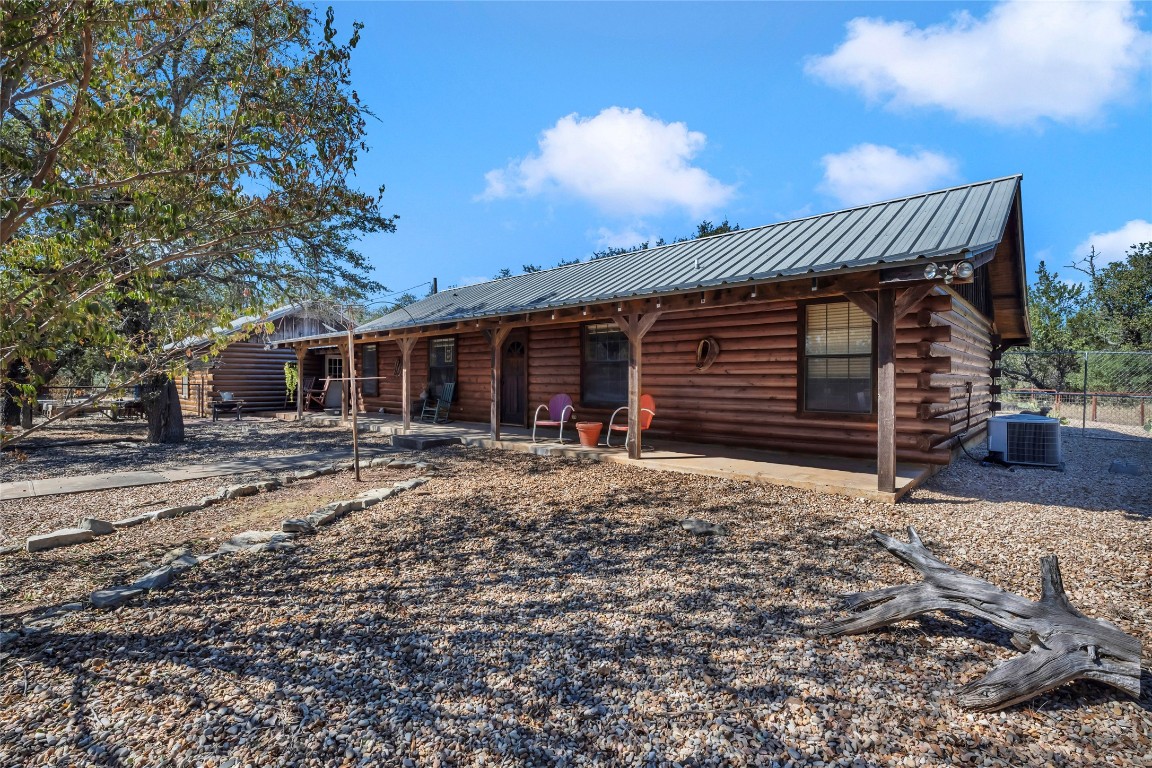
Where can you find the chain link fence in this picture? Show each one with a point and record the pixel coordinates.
(1106, 395)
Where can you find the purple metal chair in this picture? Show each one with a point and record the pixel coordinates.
(559, 411)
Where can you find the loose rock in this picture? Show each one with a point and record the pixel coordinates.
(115, 596)
(701, 527)
(63, 538)
(97, 526)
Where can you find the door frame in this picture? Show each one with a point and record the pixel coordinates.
(335, 393)
(521, 335)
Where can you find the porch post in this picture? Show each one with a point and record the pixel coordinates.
(406, 345)
(496, 338)
(300, 353)
(886, 390)
(344, 382)
(354, 406)
(635, 327)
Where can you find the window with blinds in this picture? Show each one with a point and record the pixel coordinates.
(605, 365)
(837, 358)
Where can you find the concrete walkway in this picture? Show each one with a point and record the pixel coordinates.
(23, 489)
(827, 474)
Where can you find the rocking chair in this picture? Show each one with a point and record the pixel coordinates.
(435, 408)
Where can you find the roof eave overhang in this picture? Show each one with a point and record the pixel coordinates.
(703, 285)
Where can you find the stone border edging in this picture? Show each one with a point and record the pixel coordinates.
(249, 542)
(90, 527)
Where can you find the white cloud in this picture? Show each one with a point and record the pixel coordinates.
(621, 238)
(869, 173)
(1112, 246)
(622, 161)
(1022, 62)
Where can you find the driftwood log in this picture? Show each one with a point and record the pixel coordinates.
(1061, 644)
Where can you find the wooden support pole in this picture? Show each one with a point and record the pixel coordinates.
(300, 353)
(406, 344)
(635, 327)
(344, 382)
(496, 337)
(354, 406)
(886, 390)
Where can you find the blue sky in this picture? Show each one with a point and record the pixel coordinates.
(528, 133)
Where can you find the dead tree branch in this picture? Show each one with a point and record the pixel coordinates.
(1060, 643)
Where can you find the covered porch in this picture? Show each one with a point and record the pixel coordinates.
(827, 474)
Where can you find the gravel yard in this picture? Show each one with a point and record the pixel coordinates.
(94, 445)
(519, 610)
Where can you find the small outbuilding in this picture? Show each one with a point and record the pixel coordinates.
(252, 367)
(871, 332)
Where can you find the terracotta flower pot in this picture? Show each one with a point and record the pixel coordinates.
(589, 432)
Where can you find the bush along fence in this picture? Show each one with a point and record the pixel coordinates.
(1107, 395)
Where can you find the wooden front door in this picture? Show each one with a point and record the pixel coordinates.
(514, 380)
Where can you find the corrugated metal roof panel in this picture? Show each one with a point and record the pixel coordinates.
(947, 221)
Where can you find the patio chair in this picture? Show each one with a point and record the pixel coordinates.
(559, 411)
(647, 413)
(317, 397)
(439, 407)
(308, 384)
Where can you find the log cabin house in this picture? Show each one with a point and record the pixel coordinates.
(252, 368)
(871, 332)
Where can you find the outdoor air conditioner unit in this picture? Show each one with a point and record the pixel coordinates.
(1022, 438)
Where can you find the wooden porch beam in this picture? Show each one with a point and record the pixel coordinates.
(864, 302)
(635, 327)
(911, 297)
(301, 352)
(762, 293)
(886, 390)
(907, 299)
(406, 344)
(345, 352)
(496, 337)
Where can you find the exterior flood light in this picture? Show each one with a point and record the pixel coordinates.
(964, 270)
(929, 271)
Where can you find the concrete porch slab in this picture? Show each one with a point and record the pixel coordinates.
(826, 474)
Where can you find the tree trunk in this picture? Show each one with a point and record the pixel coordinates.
(10, 406)
(162, 403)
(17, 374)
(1061, 644)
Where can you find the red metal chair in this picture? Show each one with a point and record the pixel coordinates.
(559, 411)
(647, 413)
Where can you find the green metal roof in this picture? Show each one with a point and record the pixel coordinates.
(892, 233)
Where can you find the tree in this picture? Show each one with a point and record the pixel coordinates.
(617, 251)
(402, 300)
(705, 228)
(166, 167)
(1122, 299)
(1060, 321)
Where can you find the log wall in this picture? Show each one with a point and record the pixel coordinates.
(970, 352)
(252, 373)
(388, 356)
(750, 395)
